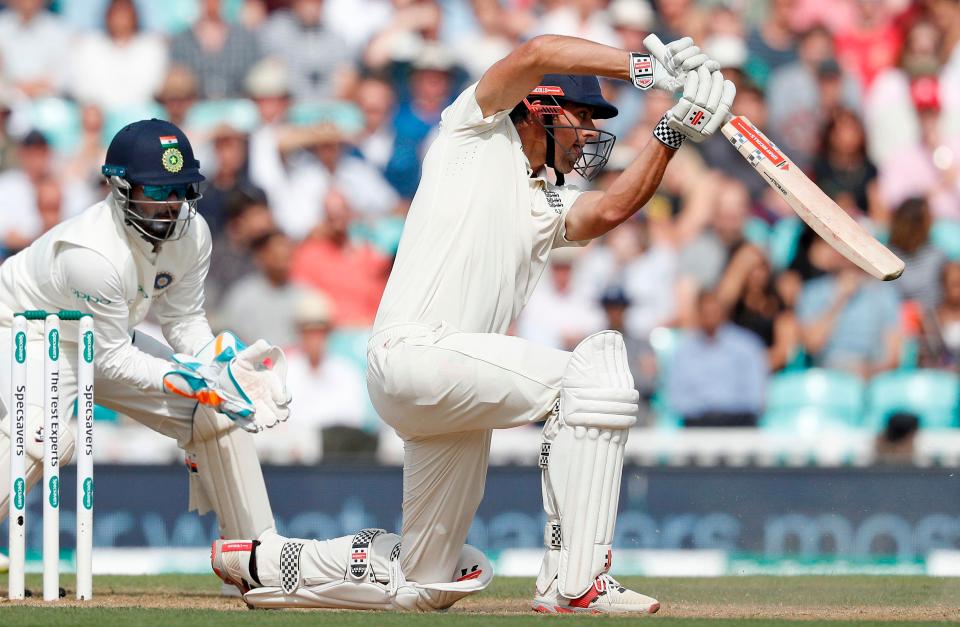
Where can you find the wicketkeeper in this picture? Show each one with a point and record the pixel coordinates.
(144, 247)
(442, 370)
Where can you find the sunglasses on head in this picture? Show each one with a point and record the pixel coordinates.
(162, 192)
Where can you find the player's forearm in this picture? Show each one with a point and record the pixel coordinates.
(631, 191)
(559, 54)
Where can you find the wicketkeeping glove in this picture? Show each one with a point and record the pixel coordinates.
(260, 370)
(666, 67)
(211, 385)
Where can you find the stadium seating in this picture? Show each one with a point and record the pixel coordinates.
(757, 231)
(812, 400)
(664, 341)
(945, 235)
(59, 121)
(242, 115)
(932, 395)
(116, 119)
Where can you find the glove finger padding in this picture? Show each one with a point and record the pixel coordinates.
(261, 370)
(728, 93)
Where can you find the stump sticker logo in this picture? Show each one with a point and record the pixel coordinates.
(19, 493)
(54, 491)
(88, 347)
(54, 340)
(20, 352)
(88, 493)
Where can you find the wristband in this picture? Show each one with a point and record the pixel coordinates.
(667, 136)
(641, 70)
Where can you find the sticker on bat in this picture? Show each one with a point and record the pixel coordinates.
(756, 138)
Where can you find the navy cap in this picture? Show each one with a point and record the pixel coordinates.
(614, 295)
(152, 152)
(580, 89)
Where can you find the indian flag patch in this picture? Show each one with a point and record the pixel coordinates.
(168, 141)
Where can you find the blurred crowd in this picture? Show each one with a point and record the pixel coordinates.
(310, 119)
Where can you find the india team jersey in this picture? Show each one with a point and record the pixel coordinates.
(479, 230)
(95, 264)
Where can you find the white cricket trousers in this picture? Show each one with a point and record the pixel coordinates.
(443, 391)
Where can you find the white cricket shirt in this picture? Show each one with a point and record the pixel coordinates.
(479, 230)
(96, 264)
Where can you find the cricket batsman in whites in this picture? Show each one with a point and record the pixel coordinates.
(441, 370)
(144, 247)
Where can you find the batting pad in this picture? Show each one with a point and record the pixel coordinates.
(33, 447)
(598, 405)
(356, 572)
(225, 476)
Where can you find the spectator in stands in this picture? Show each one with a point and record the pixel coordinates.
(84, 162)
(218, 53)
(941, 346)
(318, 59)
(910, 240)
(773, 43)
(230, 156)
(871, 43)
(353, 273)
(895, 446)
(33, 48)
(430, 91)
(8, 146)
(20, 221)
(796, 95)
(643, 364)
(414, 24)
(247, 218)
(585, 19)
(632, 20)
(843, 170)
(301, 167)
(718, 373)
(120, 67)
(494, 38)
(177, 94)
(556, 315)
(849, 321)
(718, 233)
(376, 100)
(748, 289)
(890, 113)
(262, 304)
(931, 166)
(329, 394)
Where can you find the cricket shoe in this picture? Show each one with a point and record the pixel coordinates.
(233, 563)
(605, 596)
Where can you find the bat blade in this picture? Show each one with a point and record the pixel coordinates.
(813, 206)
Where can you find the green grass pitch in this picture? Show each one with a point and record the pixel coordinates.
(194, 600)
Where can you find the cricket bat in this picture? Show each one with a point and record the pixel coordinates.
(813, 206)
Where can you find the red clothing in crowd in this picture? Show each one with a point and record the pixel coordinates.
(353, 276)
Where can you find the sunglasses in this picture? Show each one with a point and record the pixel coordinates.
(162, 192)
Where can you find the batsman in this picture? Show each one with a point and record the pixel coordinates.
(144, 247)
(442, 371)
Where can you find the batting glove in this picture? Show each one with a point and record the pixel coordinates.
(664, 67)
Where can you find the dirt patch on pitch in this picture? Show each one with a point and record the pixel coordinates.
(511, 607)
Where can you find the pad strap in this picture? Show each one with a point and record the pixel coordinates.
(360, 555)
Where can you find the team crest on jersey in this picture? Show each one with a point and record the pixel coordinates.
(162, 280)
(553, 199)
